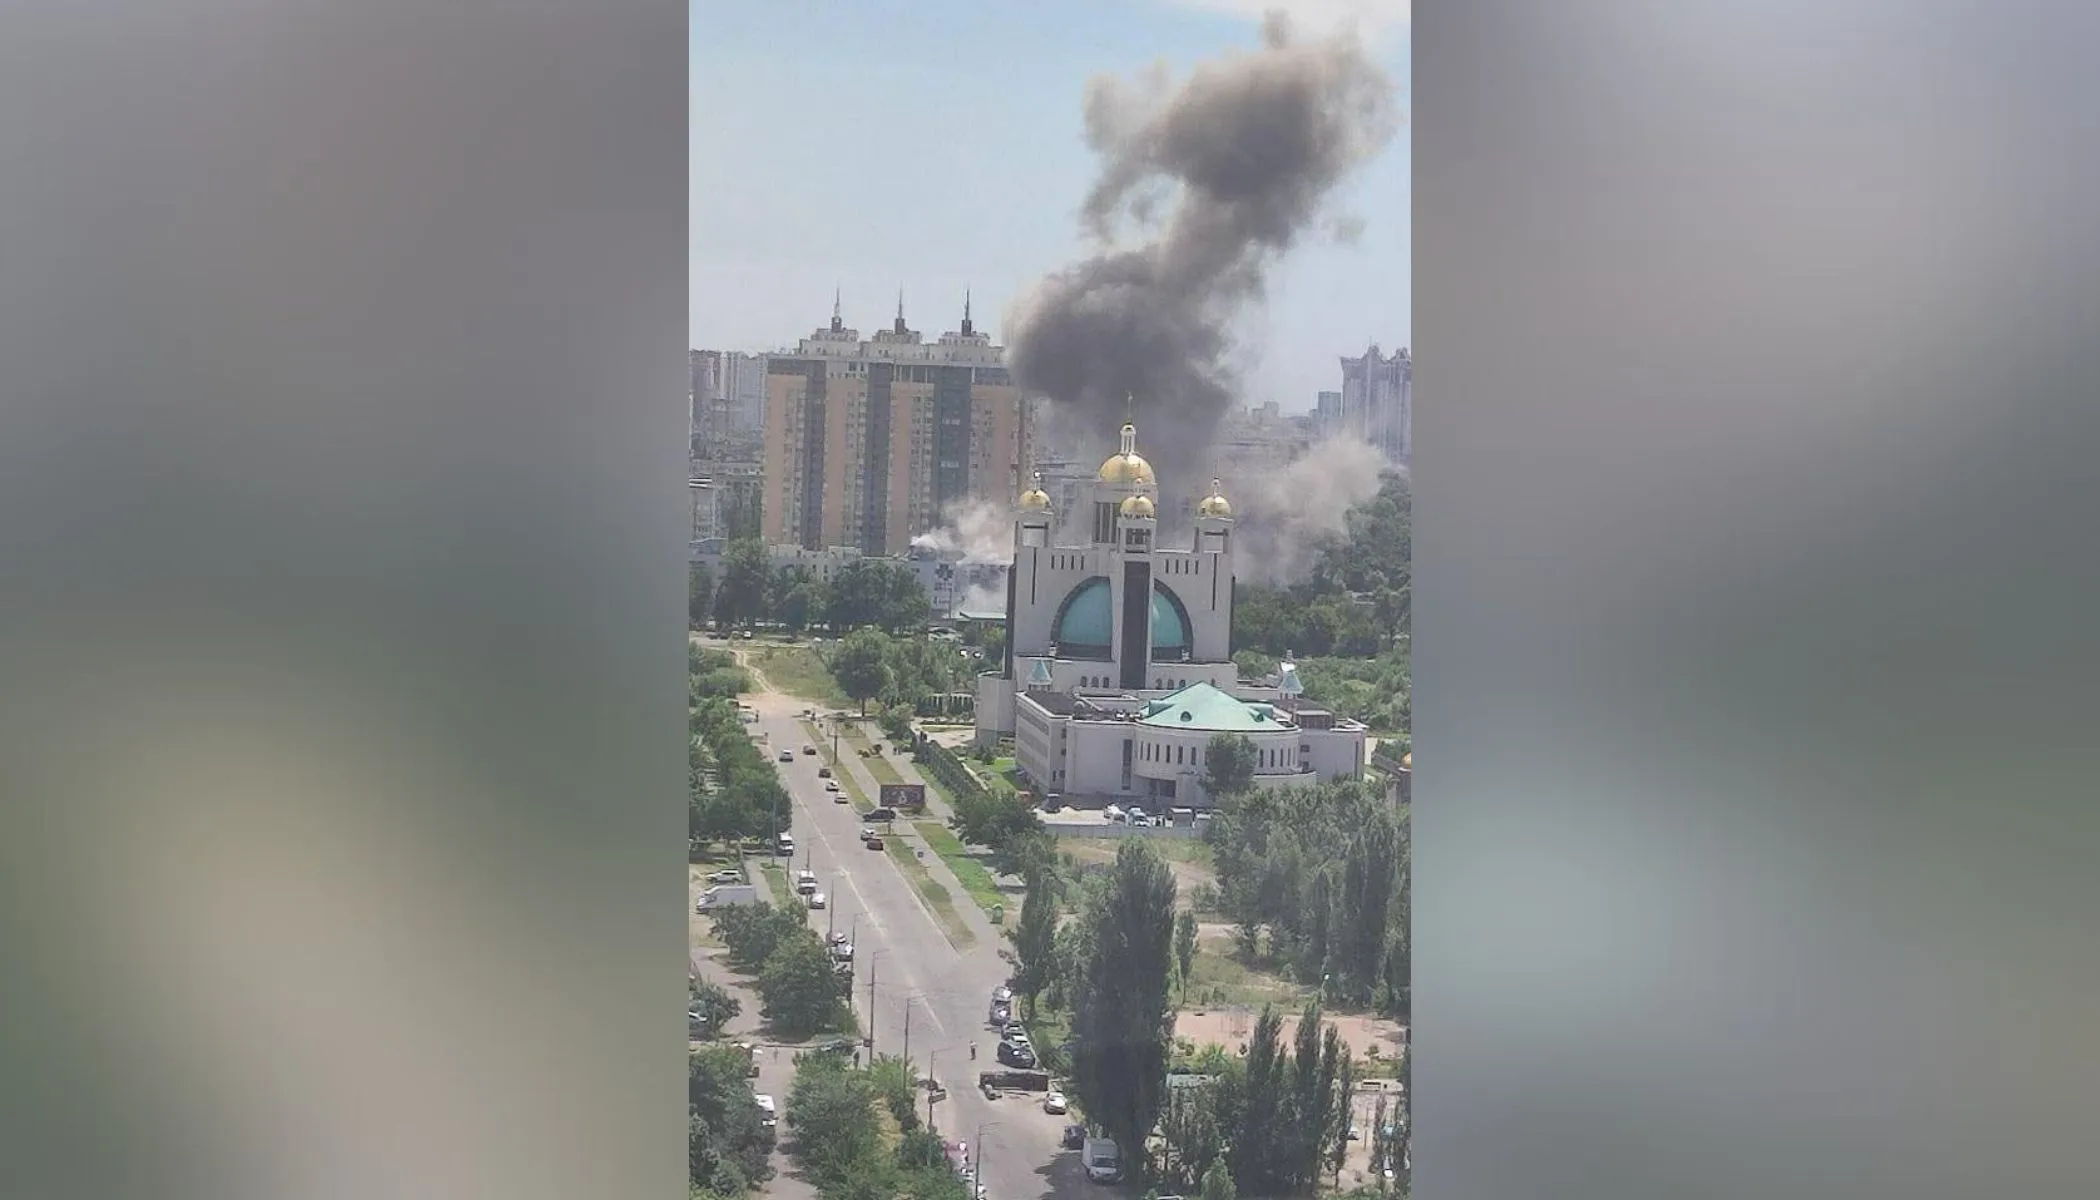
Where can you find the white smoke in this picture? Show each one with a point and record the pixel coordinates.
(982, 597)
(974, 531)
(1282, 515)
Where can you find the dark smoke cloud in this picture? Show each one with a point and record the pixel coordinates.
(1220, 176)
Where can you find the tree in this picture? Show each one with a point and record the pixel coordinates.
(1035, 938)
(727, 1147)
(1184, 947)
(712, 1006)
(1120, 1023)
(800, 991)
(797, 597)
(740, 597)
(1217, 1183)
(700, 595)
(753, 932)
(862, 665)
(837, 1133)
(1228, 766)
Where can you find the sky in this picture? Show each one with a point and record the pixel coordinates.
(934, 146)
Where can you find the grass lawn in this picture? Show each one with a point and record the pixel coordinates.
(1216, 977)
(878, 765)
(973, 876)
(777, 882)
(936, 896)
(847, 783)
(798, 671)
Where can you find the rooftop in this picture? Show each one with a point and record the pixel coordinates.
(1205, 706)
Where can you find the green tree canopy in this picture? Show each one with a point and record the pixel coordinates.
(1228, 766)
(740, 596)
(1120, 1023)
(800, 991)
(861, 665)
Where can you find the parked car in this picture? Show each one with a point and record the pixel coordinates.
(879, 814)
(831, 785)
(1015, 1031)
(823, 772)
(1002, 995)
(839, 797)
(1137, 813)
(726, 877)
(805, 882)
(817, 900)
(810, 751)
(1075, 1136)
(873, 841)
(1054, 1103)
(768, 1112)
(1013, 1055)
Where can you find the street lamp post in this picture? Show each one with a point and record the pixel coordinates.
(977, 1158)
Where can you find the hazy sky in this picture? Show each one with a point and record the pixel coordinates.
(935, 145)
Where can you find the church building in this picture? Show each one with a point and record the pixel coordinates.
(1118, 667)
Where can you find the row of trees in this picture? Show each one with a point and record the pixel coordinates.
(800, 991)
(728, 1148)
(713, 675)
(1277, 1118)
(836, 1112)
(1324, 873)
(1269, 1123)
(750, 591)
(899, 672)
(733, 789)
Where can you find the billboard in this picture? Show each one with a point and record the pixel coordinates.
(902, 796)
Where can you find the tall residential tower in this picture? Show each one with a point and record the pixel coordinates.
(869, 442)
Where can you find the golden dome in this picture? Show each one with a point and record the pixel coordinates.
(1215, 504)
(1125, 466)
(1035, 499)
(1139, 505)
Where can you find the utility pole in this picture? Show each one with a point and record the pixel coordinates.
(932, 1082)
(907, 1035)
(871, 1008)
(831, 907)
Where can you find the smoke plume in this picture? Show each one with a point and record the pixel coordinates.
(1282, 515)
(1220, 175)
(978, 531)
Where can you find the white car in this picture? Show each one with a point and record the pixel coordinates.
(817, 900)
(1054, 1103)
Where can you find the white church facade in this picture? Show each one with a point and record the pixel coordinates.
(1118, 667)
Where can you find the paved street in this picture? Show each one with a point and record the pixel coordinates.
(914, 968)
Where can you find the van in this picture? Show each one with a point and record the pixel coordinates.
(723, 895)
(1103, 1164)
(784, 847)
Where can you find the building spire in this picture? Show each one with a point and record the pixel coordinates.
(966, 329)
(900, 311)
(837, 322)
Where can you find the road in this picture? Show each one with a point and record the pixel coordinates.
(901, 948)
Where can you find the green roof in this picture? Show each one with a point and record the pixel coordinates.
(1204, 706)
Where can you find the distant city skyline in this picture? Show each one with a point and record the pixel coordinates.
(947, 170)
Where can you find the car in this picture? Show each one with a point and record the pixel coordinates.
(817, 900)
(839, 1046)
(768, 1112)
(842, 951)
(1002, 995)
(1017, 1056)
(787, 756)
(838, 797)
(823, 772)
(873, 841)
(1075, 1137)
(839, 939)
(1137, 812)
(1054, 1103)
(726, 877)
(1015, 1031)
(809, 751)
(805, 882)
(879, 814)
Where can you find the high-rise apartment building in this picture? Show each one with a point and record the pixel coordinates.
(868, 443)
(1327, 412)
(1378, 400)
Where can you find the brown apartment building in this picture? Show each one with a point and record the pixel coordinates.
(868, 443)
